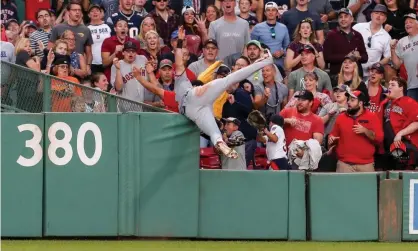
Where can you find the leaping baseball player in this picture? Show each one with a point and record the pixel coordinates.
(196, 100)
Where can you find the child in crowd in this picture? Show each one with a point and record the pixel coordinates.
(236, 140)
(275, 144)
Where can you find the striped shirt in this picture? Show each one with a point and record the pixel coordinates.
(39, 35)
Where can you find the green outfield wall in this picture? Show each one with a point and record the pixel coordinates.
(137, 174)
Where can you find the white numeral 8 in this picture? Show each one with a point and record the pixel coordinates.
(60, 143)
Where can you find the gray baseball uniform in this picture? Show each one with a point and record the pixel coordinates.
(199, 108)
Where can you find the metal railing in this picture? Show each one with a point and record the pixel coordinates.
(26, 90)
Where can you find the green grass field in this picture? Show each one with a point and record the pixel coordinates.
(142, 245)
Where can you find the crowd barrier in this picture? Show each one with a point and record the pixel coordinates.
(137, 174)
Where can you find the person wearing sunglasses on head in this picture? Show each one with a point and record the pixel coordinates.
(272, 33)
(376, 39)
(292, 18)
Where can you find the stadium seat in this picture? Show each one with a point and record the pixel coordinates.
(207, 152)
(260, 152)
(212, 162)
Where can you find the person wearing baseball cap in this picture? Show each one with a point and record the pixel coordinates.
(122, 77)
(376, 38)
(210, 54)
(375, 86)
(12, 25)
(236, 140)
(100, 31)
(253, 50)
(356, 134)
(299, 121)
(222, 71)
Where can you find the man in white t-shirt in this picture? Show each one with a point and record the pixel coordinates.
(122, 78)
(99, 32)
(276, 144)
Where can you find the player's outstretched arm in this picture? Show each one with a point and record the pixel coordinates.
(150, 86)
(178, 52)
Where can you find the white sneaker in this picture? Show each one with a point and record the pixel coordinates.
(227, 151)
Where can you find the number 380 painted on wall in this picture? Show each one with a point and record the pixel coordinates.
(64, 144)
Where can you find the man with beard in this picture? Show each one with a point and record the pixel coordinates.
(230, 31)
(83, 39)
(356, 134)
(133, 18)
(112, 46)
(399, 115)
(374, 85)
(122, 77)
(342, 41)
(405, 51)
(300, 123)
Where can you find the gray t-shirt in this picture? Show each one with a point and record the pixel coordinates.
(131, 89)
(81, 32)
(181, 85)
(407, 50)
(360, 17)
(239, 163)
(198, 67)
(320, 6)
(231, 36)
(273, 105)
(331, 121)
(7, 52)
(297, 80)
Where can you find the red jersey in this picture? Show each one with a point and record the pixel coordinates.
(109, 45)
(357, 148)
(32, 6)
(374, 102)
(401, 113)
(305, 127)
(170, 102)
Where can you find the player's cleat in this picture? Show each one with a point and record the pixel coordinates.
(228, 152)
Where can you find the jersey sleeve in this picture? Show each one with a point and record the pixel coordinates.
(106, 45)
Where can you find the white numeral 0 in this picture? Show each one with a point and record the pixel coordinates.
(89, 126)
(33, 144)
(60, 143)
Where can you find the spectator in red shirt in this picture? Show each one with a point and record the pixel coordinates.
(356, 134)
(399, 115)
(374, 84)
(167, 97)
(300, 122)
(112, 46)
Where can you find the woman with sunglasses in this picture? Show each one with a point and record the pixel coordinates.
(320, 99)
(349, 76)
(304, 35)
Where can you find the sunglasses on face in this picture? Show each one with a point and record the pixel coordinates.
(63, 66)
(307, 20)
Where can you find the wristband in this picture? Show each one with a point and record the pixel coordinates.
(180, 44)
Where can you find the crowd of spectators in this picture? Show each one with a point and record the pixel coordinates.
(346, 77)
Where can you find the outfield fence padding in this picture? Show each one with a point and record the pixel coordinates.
(137, 174)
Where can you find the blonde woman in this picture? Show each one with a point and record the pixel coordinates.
(349, 75)
(154, 51)
(304, 35)
(78, 61)
(26, 83)
(60, 48)
(320, 99)
(147, 24)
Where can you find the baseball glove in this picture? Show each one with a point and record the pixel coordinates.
(236, 141)
(257, 120)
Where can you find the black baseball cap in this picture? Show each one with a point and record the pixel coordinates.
(10, 21)
(305, 95)
(30, 23)
(129, 45)
(307, 48)
(223, 70)
(61, 59)
(232, 120)
(277, 120)
(380, 8)
(342, 88)
(98, 6)
(351, 56)
(378, 67)
(211, 41)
